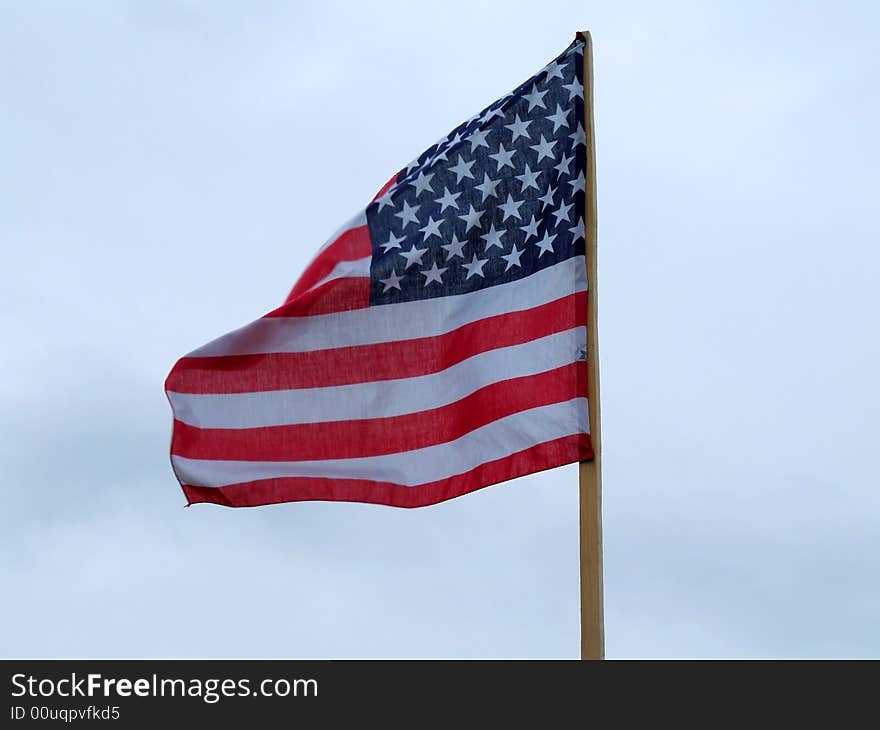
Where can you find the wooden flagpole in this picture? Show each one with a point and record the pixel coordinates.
(592, 612)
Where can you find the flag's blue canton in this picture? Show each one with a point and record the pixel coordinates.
(499, 198)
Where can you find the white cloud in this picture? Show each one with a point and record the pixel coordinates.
(169, 169)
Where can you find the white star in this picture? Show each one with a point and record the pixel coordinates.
(578, 183)
(519, 128)
(434, 274)
(475, 267)
(431, 228)
(559, 119)
(528, 179)
(386, 199)
(513, 257)
(535, 98)
(490, 113)
(454, 247)
(462, 169)
(546, 244)
(561, 213)
(531, 228)
(547, 198)
(477, 138)
(554, 70)
(544, 148)
(422, 182)
(487, 187)
(440, 152)
(472, 219)
(510, 208)
(503, 157)
(393, 242)
(493, 238)
(408, 214)
(577, 230)
(564, 164)
(578, 137)
(392, 282)
(455, 140)
(575, 88)
(447, 200)
(413, 256)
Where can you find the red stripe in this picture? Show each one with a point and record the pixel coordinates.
(336, 295)
(352, 245)
(384, 188)
(382, 361)
(550, 454)
(375, 436)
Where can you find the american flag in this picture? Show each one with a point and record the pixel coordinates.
(435, 345)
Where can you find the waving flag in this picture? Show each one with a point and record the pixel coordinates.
(435, 345)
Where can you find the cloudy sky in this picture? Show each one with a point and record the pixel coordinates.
(168, 167)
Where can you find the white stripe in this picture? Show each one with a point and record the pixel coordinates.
(498, 439)
(379, 399)
(359, 268)
(404, 321)
(359, 219)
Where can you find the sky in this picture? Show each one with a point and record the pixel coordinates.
(168, 168)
